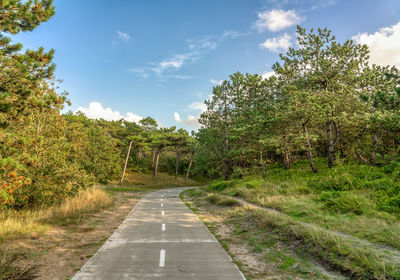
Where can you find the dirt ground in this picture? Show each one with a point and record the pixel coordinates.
(63, 250)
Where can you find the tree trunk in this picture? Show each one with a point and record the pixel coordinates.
(331, 146)
(188, 171)
(126, 163)
(227, 160)
(309, 148)
(373, 149)
(342, 155)
(154, 156)
(286, 159)
(156, 163)
(286, 156)
(176, 164)
(262, 165)
(363, 159)
(140, 155)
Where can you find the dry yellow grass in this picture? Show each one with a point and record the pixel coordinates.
(18, 223)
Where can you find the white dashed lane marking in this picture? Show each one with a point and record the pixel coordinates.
(162, 258)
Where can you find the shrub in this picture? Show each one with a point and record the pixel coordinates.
(220, 185)
(213, 198)
(331, 184)
(391, 167)
(302, 190)
(222, 201)
(392, 204)
(228, 202)
(250, 185)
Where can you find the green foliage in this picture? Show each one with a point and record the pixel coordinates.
(346, 188)
(17, 15)
(220, 185)
(323, 100)
(94, 148)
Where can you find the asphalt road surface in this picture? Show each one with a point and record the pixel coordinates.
(161, 239)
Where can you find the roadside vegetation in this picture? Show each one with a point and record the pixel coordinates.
(261, 251)
(291, 246)
(14, 224)
(312, 152)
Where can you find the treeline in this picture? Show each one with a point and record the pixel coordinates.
(323, 100)
(46, 156)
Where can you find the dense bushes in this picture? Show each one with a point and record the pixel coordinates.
(354, 187)
(52, 157)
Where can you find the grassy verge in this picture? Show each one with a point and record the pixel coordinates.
(261, 252)
(345, 216)
(350, 198)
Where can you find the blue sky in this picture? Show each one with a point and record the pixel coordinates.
(161, 58)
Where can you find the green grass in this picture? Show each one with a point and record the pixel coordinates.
(265, 242)
(324, 210)
(350, 198)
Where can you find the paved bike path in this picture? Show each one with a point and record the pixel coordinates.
(161, 239)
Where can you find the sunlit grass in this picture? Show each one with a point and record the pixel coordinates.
(357, 208)
(14, 224)
(350, 255)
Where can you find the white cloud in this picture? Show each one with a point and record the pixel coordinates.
(197, 106)
(384, 45)
(140, 72)
(192, 121)
(123, 36)
(206, 42)
(177, 117)
(216, 82)
(267, 74)
(197, 47)
(278, 44)
(275, 20)
(232, 34)
(174, 62)
(96, 111)
(180, 77)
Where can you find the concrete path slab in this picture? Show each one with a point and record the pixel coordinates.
(161, 239)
